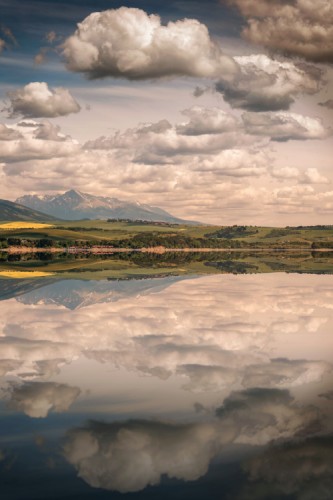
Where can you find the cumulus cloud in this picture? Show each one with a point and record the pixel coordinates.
(265, 84)
(8, 133)
(37, 100)
(129, 456)
(129, 43)
(236, 163)
(198, 162)
(262, 414)
(301, 468)
(203, 121)
(31, 357)
(233, 347)
(313, 176)
(34, 140)
(37, 399)
(46, 131)
(309, 176)
(301, 28)
(283, 126)
(284, 373)
(206, 132)
(274, 373)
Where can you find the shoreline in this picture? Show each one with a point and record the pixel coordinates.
(155, 250)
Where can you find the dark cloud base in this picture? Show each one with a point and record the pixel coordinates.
(43, 472)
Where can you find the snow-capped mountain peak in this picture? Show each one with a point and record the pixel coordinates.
(76, 205)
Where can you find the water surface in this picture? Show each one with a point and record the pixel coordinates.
(215, 386)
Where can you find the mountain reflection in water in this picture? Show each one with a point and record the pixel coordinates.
(217, 387)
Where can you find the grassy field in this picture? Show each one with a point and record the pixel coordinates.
(114, 233)
(23, 225)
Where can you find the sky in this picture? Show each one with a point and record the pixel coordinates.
(215, 110)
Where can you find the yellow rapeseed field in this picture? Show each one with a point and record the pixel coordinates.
(24, 225)
(24, 274)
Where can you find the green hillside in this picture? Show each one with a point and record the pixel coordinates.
(10, 212)
(136, 235)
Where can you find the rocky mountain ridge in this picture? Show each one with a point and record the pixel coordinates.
(76, 205)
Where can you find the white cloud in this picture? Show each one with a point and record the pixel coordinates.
(300, 28)
(37, 100)
(129, 456)
(207, 121)
(309, 176)
(34, 140)
(207, 131)
(231, 346)
(192, 168)
(236, 163)
(284, 373)
(129, 43)
(262, 413)
(266, 84)
(8, 133)
(285, 172)
(284, 126)
(313, 176)
(37, 399)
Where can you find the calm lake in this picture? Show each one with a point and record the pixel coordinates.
(191, 386)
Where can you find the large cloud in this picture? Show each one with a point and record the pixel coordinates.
(282, 126)
(205, 132)
(129, 43)
(32, 140)
(208, 131)
(309, 176)
(300, 469)
(37, 100)
(302, 28)
(266, 414)
(265, 84)
(129, 456)
(37, 399)
(207, 121)
(235, 163)
(274, 373)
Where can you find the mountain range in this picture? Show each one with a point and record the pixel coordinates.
(76, 294)
(75, 205)
(10, 211)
